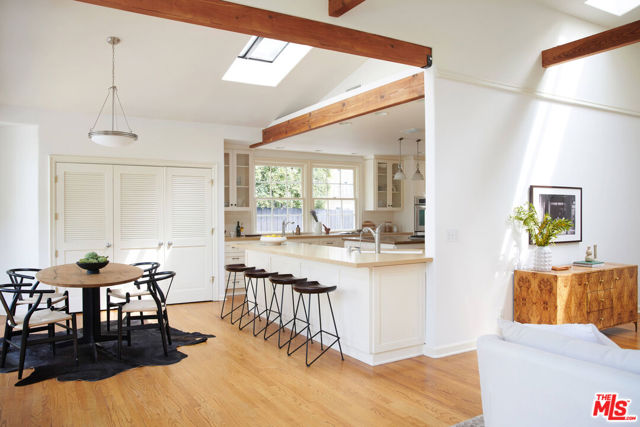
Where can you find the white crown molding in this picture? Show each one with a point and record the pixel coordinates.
(451, 75)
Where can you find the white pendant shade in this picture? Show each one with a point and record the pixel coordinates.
(399, 176)
(113, 138)
(417, 176)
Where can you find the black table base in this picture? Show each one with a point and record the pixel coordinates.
(92, 333)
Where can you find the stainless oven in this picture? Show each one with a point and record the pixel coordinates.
(419, 208)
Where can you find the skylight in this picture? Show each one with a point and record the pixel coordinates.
(265, 62)
(261, 49)
(614, 7)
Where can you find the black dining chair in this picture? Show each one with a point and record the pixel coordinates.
(58, 300)
(134, 291)
(34, 320)
(157, 305)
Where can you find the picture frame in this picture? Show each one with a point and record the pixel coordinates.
(560, 202)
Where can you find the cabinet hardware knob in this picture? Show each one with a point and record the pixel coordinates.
(586, 283)
(601, 319)
(160, 243)
(602, 299)
(169, 243)
(601, 280)
(617, 278)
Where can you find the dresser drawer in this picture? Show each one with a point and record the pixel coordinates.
(600, 280)
(599, 300)
(602, 318)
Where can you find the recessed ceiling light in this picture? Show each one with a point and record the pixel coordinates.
(614, 7)
(381, 113)
(344, 123)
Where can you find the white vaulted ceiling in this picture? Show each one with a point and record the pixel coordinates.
(53, 55)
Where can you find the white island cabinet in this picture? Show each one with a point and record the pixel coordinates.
(379, 303)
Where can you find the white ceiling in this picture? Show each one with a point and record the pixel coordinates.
(580, 10)
(54, 56)
(370, 134)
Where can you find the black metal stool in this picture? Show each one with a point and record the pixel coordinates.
(256, 275)
(235, 269)
(310, 288)
(282, 280)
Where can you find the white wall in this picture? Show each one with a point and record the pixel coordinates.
(19, 195)
(486, 160)
(66, 134)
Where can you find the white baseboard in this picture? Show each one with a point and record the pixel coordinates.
(449, 350)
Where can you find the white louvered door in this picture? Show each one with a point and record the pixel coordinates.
(138, 206)
(84, 206)
(188, 232)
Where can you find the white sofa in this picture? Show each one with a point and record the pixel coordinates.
(525, 386)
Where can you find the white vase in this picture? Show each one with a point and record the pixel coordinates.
(542, 258)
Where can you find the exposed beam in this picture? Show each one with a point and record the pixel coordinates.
(597, 43)
(386, 96)
(228, 16)
(338, 8)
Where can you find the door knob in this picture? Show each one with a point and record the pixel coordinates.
(169, 243)
(160, 243)
(108, 245)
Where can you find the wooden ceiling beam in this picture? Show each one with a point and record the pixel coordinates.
(337, 8)
(399, 92)
(597, 43)
(224, 15)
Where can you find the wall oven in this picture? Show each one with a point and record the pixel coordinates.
(419, 208)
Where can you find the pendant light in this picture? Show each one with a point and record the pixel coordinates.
(113, 137)
(400, 176)
(417, 176)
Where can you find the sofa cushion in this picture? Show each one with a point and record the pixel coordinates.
(585, 332)
(553, 342)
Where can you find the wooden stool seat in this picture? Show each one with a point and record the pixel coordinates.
(237, 268)
(286, 279)
(259, 273)
(313, 287)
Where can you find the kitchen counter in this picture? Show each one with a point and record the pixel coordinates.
(379, 302)
(312, 236)
(339, 256)
(391, 240)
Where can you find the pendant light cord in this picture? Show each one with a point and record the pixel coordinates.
(114, 96)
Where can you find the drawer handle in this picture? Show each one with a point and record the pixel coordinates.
(236, 257)
(601, 319)
(617, 278)
(601, 280)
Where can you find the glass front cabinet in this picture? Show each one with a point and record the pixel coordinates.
(238, 180)
(382, 192)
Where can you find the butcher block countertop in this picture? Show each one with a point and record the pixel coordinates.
(391, 240)
(339, 256)
(314, 236)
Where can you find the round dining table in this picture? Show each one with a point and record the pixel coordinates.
(72, 276)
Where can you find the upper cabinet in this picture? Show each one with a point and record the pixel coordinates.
(238, 180)
(382, 192)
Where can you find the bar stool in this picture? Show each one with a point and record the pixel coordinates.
(310, 288)
(282, 280)
(256, 275)
(235, 269)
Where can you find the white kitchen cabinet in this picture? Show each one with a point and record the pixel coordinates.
(234, 254)
(238, 180)
(382, 192)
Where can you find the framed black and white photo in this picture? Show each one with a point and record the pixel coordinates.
(560, 202)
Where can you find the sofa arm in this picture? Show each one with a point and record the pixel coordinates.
(524, 386)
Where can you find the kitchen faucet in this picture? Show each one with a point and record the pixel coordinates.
(376, 235)
(284, 226)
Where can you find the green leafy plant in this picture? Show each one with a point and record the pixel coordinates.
(544, 232)
(93, 258)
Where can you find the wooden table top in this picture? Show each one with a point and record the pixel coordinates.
(72, 276)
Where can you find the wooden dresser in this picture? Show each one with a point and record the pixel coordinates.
(605, 296)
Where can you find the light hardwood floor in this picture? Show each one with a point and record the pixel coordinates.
(236, 379)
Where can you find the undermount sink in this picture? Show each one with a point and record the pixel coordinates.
(404, 252)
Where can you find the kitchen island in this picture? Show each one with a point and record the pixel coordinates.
(379, 304)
